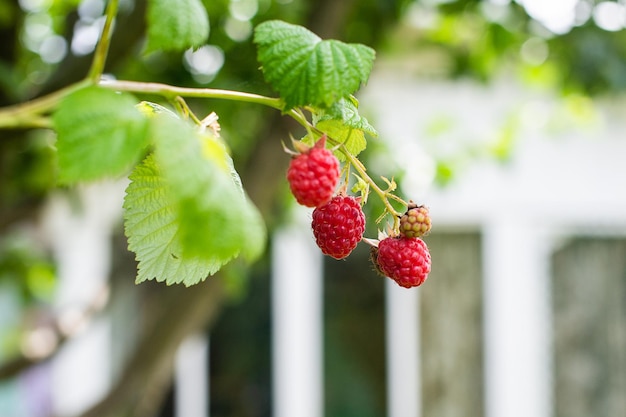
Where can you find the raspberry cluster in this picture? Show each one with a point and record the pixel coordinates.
(338, 221)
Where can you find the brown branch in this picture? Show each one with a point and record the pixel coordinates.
(183, 311)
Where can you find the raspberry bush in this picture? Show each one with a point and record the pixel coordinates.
(186, 212)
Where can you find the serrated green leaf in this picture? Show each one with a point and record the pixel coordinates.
(306, 70)
(176, 25)
(152, 226)
(353, 139)
(215, 148)
(346, 110)
(216, 219)
(343, 123)
(186, 214)
(100, 134)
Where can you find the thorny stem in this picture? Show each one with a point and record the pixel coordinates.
(102, 49)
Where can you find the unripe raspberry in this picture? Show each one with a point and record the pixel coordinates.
(405, 260)
(415, 222)
(313, 175)
(338, 226)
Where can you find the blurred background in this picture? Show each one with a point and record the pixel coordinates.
(506, 118)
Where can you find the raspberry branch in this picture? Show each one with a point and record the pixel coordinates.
(176, 95)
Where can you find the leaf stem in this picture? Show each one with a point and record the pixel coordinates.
(102, 49)
(184, 107)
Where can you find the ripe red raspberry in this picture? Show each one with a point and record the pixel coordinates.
(338, 226)
(313, 175)
(415, 222)
(405, 260)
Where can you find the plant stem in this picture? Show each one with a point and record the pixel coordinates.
(363, 173)
(181, 104)
(102, 49)
(170, 92)
(28, 114)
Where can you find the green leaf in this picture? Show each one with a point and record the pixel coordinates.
(343, 123)
(347, 111)
(353, 139)
(100, 134)
(176, 25)
(150, 109)
(186, 214)
(216, 219)
(152, 225)
(306, 70)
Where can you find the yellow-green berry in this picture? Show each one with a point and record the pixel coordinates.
(415, 222)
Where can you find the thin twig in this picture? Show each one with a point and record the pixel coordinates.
(102, 49)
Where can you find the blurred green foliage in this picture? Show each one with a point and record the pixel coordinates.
(481, 39)
(27, 268)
